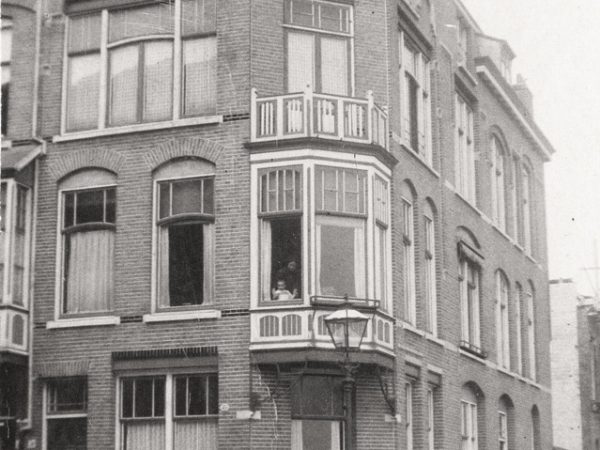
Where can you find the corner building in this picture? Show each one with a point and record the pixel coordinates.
(219, 176)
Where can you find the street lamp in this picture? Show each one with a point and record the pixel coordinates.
(347, 328)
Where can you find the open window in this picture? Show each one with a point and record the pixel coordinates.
(185, 231)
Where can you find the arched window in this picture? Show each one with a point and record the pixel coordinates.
(469, 267)
(88, 226)
(497, 177)
(429, 268)
(471, 410)
(518, 328)
(408, 247)
(506, 425)
(502, 324)
(526, 207)
(536, 441)
(184, 230)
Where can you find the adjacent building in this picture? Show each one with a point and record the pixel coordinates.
(219, 177)
(575, 356)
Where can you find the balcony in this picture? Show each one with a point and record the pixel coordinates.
(300, 328)
(310, 115)
(14, 326)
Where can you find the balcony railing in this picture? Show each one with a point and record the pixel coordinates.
(14, 330)
(304, 327)
(307, 114)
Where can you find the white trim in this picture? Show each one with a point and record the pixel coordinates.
(534, 136)
(93, 321)
(202, 120)
(176, 316)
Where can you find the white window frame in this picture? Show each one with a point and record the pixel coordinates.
(169, 413)
(470, 302)
(502, 324)
(177, 117)
(430, 274)
(408, 267)
(497, 176)
(469, 428)
(422, 80)
(502, 430)
(464, 149)
(57, 416)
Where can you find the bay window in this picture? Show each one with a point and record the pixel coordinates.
(415, 108)
(318, 46)
(88, 235)
(185, 233)
(341, 201)
(185, 404)
(141, 64)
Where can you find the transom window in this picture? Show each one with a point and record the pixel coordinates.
(88, 235)
(185, 234)
(318, 46)
(157, 65)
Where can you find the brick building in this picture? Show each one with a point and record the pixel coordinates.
(218, 176)
(575, 356)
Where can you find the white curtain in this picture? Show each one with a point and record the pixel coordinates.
(301, 57)
(83, 91)
(265, 262)
(195, 435)
(163, 266)
(296, 435)
(199, 75)
(90, 275)
(123, 85)
(334, 66)
(144, 435)
(158, 80)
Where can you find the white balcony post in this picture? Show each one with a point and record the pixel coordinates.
(308, 111)
(278, 117)
(370, 116)
(253, 114)
(340, 118)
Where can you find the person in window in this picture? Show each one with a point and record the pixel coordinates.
(290, 275)
(281, 293)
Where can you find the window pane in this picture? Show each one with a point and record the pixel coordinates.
(148, 20)
(67, 395)
(90, 207)
(186, 264)
(165, 200)
(123, 89)
(300, 63)
(111, 205)
(285, 244)
(302, 13)
(6, 41)
(199, 74)
(158, 80)
(127, 398)
(213, 394)
(187, 196)
(159, 397)
(67, 434)
(197, 395)
(84, 32)
(334, 66)
(198, 16)
(83, 91)
(331, 16)
(143, 397)
(69, 209)
(208, 206)
(181, 396)
(321, 434)
(341, 257)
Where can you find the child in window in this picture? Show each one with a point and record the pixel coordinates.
(281, 293)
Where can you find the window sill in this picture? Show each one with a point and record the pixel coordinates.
(413, 329)
(398, 140)
(502, 233)
(203, 120)
(470, 355)
(95, 321)
(435, 339)
(179, 316)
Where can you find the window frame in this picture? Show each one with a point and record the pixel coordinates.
(48, 415)
(526, 208)
(430, 270)
(419, 79)
(531, 333)
(498, 167)
(192, 218)
(469, 425)
(177, 37)
(502, 320)
(470, 295)
(431, 417)
(409, 265)
(503, 430)
(409, 413)
(318, 33)
(464, 148)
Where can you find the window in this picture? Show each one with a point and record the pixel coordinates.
(408, 393)
(152, 72)
(516, 173)
(464, 153)
(317, 413)
(518, 321)
(341, 212)
(502, 324)
(430, 269)
(66, 414)
(502, 431)
(146, 413)
(408, 251)
(431, 419)
(318, 46)
(415, 108)
(185, 233)
(6, 55)
(526, 208)
(497, 157)
(381, 194)
(88, 236)
(536, 432)
(469, 419)
(530, 323)
(281, 233)
(468, 280)
(15, 204)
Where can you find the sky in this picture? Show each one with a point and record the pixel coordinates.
(556, 43)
